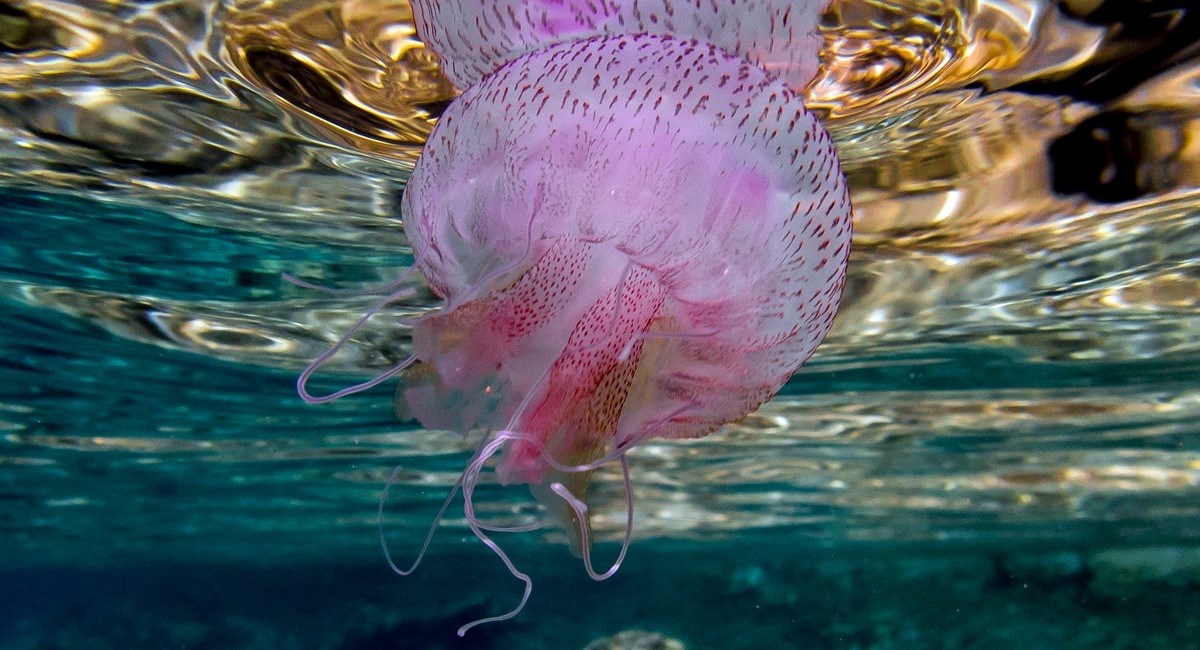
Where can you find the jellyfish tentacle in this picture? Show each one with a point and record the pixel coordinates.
(523, 528)
(302, 381)
(387, 287)
(301, 384)
(581, 508)
(428, 536)
(469, 480)
(437, 520)
(525, 401)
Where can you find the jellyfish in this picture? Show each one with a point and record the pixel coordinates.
(474, 38)
(635, 235)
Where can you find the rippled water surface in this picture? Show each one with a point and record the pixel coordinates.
(1013, 370)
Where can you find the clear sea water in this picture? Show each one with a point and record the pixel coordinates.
(998, 445)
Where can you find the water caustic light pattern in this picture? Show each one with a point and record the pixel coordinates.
(636, 236)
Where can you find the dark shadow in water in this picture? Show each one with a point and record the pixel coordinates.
(768, 591)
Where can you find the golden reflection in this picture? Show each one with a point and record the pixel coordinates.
(953, 167)
(878, 52)
(353, 65)
(1168, 106)
(243, 97)
(64, 28)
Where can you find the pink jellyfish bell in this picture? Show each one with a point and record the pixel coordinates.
(635, 236)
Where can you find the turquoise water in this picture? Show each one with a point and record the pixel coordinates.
(162, 486)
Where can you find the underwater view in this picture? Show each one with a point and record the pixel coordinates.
(297, 295)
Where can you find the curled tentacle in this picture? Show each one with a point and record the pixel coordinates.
(302, 381)
(580, 509)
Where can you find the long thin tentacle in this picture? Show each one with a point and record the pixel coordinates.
(522, 528)
(580, 509)
(470, 479)
(438, 518)
(428, 536)
(301, 384)
(302, 381)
